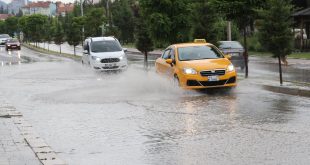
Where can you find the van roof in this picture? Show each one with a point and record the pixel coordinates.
(102, 38)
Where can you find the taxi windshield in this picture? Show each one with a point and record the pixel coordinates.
(105, 46)
(198, 53)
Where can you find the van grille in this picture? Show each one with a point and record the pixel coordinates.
(218, 72)
(110, 60)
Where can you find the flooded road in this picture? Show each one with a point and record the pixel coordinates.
(136, 117)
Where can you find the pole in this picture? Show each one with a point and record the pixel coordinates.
(228, 30)
(82, 14)
(108, 14)
(246, 55)
(280, 70)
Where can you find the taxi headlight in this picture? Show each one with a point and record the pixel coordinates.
(95, 58)
(230, 68)
(189, 71)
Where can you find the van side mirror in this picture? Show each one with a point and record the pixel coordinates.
(86, 47)
(125, 49)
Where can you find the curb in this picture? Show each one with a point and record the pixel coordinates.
(40, 148)
(288, 90)
(41, 50)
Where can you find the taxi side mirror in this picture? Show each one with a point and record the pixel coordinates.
(227, 56)
(169, 61)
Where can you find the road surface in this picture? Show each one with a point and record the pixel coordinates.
(137, 117)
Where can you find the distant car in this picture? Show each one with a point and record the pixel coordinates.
(197, 65)
(12, 44)
(104, 53)
(236, 50)
(4, 38)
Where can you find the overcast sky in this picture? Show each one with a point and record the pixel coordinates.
(65, 1)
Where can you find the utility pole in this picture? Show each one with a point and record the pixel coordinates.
(108, 12)
(229, 31)
(82, 14)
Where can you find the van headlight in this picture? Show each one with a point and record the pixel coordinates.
(189, 71)
(123, 57)
(230, 68)
(95, 58)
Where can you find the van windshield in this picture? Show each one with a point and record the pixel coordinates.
(105, 46)
(230, 45)
(4, 36)
(198, 53)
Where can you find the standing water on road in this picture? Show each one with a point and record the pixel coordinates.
(137, 117)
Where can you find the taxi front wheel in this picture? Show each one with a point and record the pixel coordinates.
(176, 81)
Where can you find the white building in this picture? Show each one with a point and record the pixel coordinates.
(40, 7)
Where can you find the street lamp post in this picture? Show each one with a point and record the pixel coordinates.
(82, 14)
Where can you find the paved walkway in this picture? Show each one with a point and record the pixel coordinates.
(68, 49)
(19, 143)
(14, 150)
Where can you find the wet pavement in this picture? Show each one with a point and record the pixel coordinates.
(136, 117)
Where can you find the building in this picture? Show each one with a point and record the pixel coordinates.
(41, 7)
(63, 9)
(4, 16)
(15, 5)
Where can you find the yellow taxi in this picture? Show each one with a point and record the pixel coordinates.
(197, 65)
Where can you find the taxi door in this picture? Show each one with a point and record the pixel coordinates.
(162, 66)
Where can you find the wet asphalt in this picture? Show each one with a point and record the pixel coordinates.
(137, 117)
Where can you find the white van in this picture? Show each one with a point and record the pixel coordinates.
(104, 53)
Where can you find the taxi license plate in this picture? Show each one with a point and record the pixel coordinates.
(213, 78)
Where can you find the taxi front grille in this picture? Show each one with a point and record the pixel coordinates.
(110, 60)
(211, 83)
(218, 72)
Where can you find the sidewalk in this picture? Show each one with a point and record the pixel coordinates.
(19, 143)
(13, 148)
(68, 49)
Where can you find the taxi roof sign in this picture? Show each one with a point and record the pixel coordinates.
(200, 41)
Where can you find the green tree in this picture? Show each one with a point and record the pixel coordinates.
(143, 41)
(74, 35)
(11, 25)
(167, 20)
(275, 29)
(243, 13)
(49, 27)
(2, 26)
(94, 18)
(59, 35)
(20, 13)
(34, 26)
(22, 26)
(205, 21)
(123, 20)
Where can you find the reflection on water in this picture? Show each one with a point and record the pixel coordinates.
(186, 123)
(12, 58)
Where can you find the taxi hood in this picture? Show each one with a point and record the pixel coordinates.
(206, 64)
